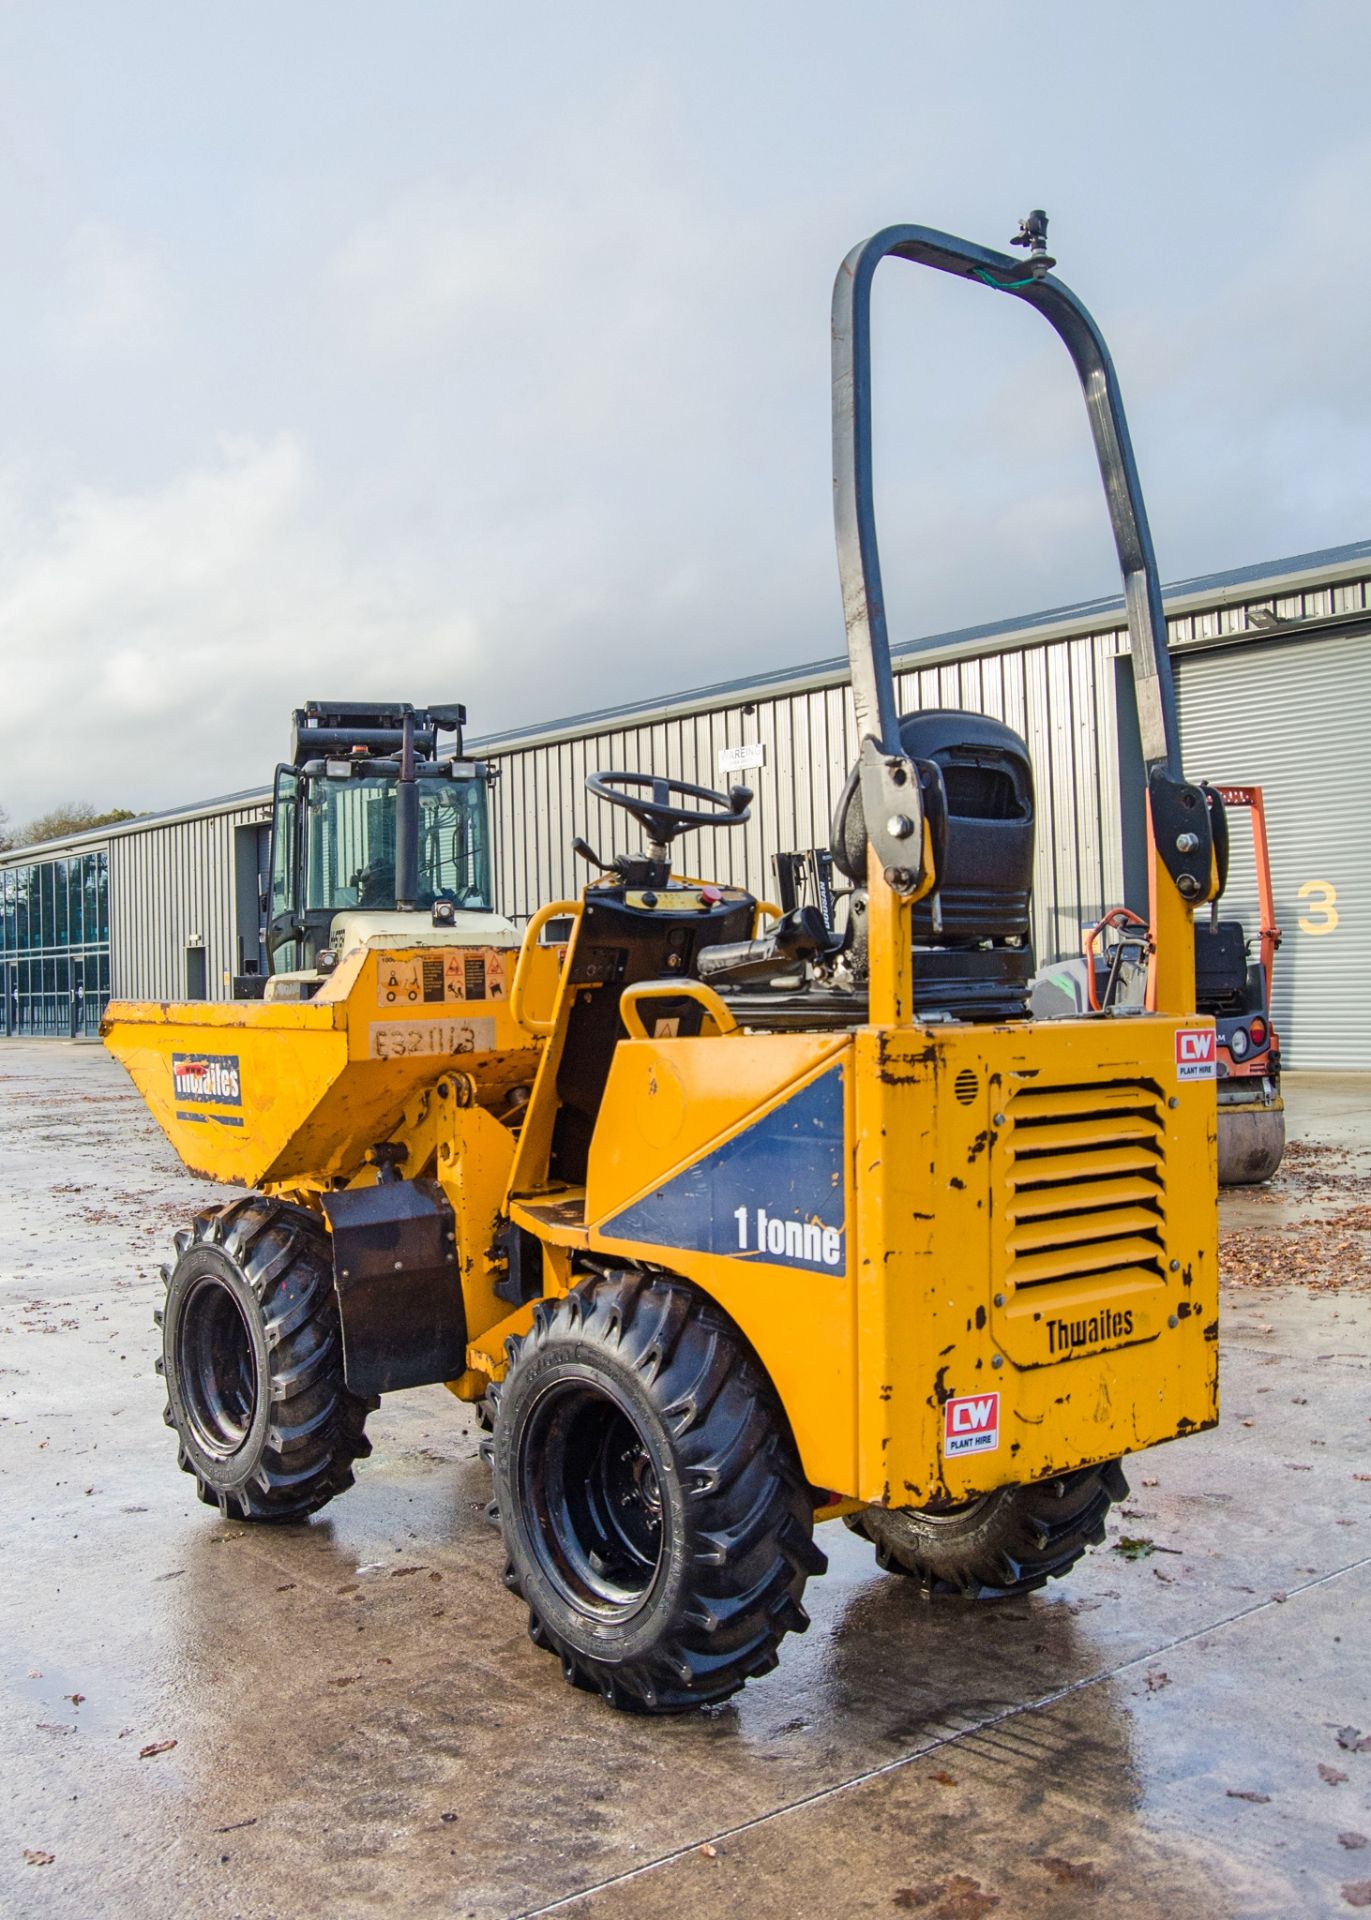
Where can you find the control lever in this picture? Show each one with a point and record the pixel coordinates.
(587, 852)
(797, 935)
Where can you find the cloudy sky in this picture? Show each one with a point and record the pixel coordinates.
(434, 350)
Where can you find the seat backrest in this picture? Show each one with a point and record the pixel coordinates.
(1220, 966)
(987, 879)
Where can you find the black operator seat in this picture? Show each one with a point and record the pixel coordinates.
(1221, 970)
(974, 957)
(628, 934)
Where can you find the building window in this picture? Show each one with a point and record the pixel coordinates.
(54, 945)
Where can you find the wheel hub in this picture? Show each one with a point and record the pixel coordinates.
(216, 1368)
(592, 1494)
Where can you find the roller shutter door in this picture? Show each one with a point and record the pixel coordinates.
(1294, 718)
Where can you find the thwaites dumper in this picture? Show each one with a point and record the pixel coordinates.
(727, 1223)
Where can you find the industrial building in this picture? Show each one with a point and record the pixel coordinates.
(1273, 673)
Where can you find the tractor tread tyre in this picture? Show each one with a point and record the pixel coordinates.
(252, 1357)
(1010, 1542)
(734, 1542)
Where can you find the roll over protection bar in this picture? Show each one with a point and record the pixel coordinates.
(889, 787)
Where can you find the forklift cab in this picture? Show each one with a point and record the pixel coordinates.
(336, 839)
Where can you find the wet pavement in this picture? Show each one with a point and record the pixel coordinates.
(361, 1725)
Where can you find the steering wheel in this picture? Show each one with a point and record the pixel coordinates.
(659, 818)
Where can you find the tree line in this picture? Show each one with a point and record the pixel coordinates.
(68, 816)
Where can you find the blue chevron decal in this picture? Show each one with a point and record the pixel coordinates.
(774, 1192)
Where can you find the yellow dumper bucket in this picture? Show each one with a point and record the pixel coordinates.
(263, 1092)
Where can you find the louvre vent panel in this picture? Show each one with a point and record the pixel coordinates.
(1087, 1180)
(1087, 1195)
(1107, 1224)
(1115, 1129)
(1067, 1168)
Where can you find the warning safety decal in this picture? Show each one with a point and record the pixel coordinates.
(461, 974)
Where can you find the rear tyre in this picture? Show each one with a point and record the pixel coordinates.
(1002, 1544)
(656, 1518)
(252, 1355)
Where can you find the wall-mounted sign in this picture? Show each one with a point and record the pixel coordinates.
(739, 759)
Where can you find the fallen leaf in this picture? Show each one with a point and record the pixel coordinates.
(158, 1746)
(960, 1898)
(1352, 1841)
(75, 1698)
(946, 1779)
(709, 1851)
(1246, 1793)
(1156, 1681)
(36, 1857)
(1331, 1775)
(344, 1679)
(1347, 1737)
(1082, 1873)
(1357, 1893)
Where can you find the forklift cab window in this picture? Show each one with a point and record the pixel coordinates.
(350, 844)
(285, 950)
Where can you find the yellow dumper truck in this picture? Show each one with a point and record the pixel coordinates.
(728, 1222)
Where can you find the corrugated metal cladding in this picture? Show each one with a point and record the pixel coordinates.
(172, 895)
(1294, 718)
(192, 878)
(1058, 691)
(1060, 696)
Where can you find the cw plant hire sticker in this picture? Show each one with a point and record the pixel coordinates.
(1196, 1054)
(971, 1424)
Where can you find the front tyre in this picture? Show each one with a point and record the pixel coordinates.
(654, 1512)
(252, 1355)
(1002, 1544)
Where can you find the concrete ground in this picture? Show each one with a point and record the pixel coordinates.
(347, 1718)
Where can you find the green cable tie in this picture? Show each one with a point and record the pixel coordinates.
(1005, 286)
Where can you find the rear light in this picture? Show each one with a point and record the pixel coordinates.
(1238, 1043)
(1258, 1033)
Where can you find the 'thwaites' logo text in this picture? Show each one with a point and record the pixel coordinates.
(1065, 1335)
(211, 1077)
